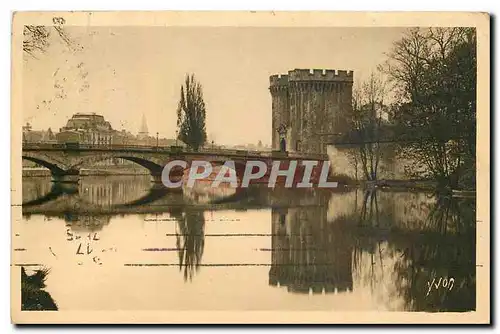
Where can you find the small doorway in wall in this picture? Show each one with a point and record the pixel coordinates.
(297, 146)
(283, 145)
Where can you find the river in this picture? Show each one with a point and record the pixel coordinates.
(119, 243)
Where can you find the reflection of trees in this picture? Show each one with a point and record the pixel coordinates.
(441, 246)
(369, 209)
(190, 241)
(369, 216)
(451, 215)
(448, 250)
(33, 295)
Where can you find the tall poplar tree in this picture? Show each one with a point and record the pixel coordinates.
(191, 114)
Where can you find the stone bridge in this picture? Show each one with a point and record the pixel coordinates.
(65, 162)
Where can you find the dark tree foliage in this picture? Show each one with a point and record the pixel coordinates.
(33, 295)
(434, 74)
(450, 253)
(191, 114)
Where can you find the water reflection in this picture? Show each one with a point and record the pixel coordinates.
(99, 191)
(190, 241)
(402, 250)
(85, 223)
(308, 254)
(446, 252)
(311, 254)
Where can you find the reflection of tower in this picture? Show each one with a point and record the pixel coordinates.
(308, 254)
(309, 105)
(143, 131)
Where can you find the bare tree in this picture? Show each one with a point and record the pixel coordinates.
(366, 120)
(36, 38)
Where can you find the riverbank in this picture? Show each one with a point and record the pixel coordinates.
(106, 171)
(414, 185)
(114, 171)
(424, 185)
(36, 172)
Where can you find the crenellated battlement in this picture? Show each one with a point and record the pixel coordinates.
(320, 75)
(278, 80)
(312, 75)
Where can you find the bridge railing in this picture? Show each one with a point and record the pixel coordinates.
(79, 146)
(236, 152)
(175, 149)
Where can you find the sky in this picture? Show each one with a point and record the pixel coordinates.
(125, 72)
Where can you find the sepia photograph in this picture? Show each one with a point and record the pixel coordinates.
(250, 167)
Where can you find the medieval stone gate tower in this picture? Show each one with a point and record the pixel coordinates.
(309, 107)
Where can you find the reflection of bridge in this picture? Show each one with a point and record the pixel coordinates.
(65, 162)
(92, 197)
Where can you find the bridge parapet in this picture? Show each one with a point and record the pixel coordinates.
(171, 150)
(92, 147)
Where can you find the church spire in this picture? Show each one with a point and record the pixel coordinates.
(143, 130)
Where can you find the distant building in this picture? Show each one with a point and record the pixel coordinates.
(123, 137)
(35, 136)
(69, 136)
(143, 131)
(87, 129)
(91, 128)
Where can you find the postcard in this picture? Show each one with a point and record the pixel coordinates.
(250, 168)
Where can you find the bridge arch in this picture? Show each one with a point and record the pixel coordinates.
(54, 168)
(154, 167)
(61, 164)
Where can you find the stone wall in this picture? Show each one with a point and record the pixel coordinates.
(391, 166)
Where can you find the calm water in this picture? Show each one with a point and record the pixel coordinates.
(117, 243)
